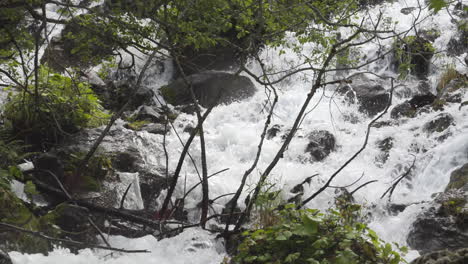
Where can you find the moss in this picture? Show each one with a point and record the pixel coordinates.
(137, 125)
(447, 77)
(439, 104)
(453, 207)
(168, 94)
(97, 169)
(458, 178)
(172, 116)
(14, 212)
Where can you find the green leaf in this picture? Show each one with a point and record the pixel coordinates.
(310, 226)
(292, 257)
(30, 189)
(437, 5)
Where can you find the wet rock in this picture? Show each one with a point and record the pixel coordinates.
(410, 108)
(383, 123)
(226, 211)
(385, 145)
(407, 10)
(443, 226)
(459, 179)
(458, 44)
(148, 113)
(424, 87)
(321, 144)
(372, 99)
(430, 34)
(217, 58)
(189, 129)
(4, 258)
(119, 89)
(72, 218)
(189, 109)
(273, 131)
(395, 209)
(417, 51)
(440, 123)
(422, 100)
(151, 185)
(351, 118)
(49, 163)
(461, 10)
(127, 161)
(159, 129)
(459, 256)
(210, 88)
(403, 110)
(402, 92)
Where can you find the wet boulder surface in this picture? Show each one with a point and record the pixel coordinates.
(321, 144)
(372, 98)
(445, 224)
(211, 88)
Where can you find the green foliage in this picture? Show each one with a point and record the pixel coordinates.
(11, 154)
(309, 236)
(13, 211)
(90, 177)
(437, 5)
(60, 106)
(106, 67)
(87, 39)
(264, 210)
(450, 74)
(411, 53)
(137, 125)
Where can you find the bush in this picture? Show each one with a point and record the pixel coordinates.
(308, 236)
(60, 106)
(413, 55)
(449, 75)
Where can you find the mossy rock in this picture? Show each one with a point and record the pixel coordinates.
(459, 179)
(169, 94)
(451, 81)
(439, 124)
(14, 212)
(458, 256)
(90, 177)
(137, 125)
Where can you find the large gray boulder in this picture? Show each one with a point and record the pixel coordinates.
(210, 88)
(440, 123)
(445, 224)
(459, 179)
(372, 99)
(459, 256)
(321, 144)
(4, 258)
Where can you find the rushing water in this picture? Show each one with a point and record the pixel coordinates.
(233, 131)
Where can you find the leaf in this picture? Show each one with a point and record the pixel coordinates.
(437, 5)
(292, 257)
(310, 226)
(30, 188)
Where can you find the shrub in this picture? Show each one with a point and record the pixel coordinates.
(308, 236)
(449, 75)
(413, 55)
(60, 106)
